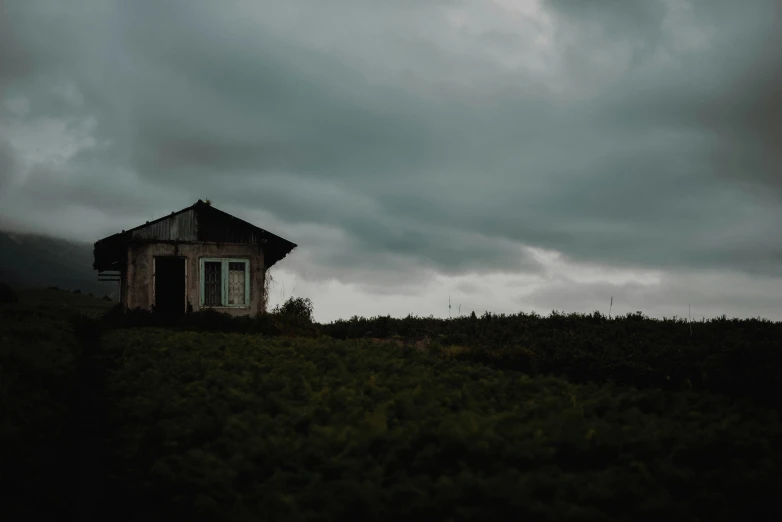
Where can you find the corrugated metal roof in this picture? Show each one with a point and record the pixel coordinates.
(199, 222)
(176, 227)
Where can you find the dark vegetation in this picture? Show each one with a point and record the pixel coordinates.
(738, 357)
(231, 427)
(7, 294)
(39, 379)
(293, 318)
(566, 417)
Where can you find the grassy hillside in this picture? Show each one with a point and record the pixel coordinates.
(40, 358)
(235, 427)
(740, 358)
(31, 261)
(276, 418)
(63, 302)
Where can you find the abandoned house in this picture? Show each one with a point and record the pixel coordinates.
(197, 258)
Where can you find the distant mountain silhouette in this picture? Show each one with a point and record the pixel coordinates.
(34, 261)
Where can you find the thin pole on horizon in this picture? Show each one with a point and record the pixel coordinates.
(610, 306)
(689, 315)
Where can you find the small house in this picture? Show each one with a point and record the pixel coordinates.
(197, 258)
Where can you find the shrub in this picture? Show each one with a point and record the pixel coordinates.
(207, 321)
(296, 306)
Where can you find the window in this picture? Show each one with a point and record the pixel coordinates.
(225, 282)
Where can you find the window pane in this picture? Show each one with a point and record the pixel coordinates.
(212, 283)
(236, 277)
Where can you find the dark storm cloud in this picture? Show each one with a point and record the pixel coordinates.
(635, 24)
(648, 140)
(87, 189)
(15, 60)
(468, 288)
(7, 163)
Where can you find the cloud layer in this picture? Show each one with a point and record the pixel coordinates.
(401, 142)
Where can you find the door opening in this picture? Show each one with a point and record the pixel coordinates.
(170, 285)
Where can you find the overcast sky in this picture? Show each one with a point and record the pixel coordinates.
(515, 155)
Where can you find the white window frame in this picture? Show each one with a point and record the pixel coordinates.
(224, 280)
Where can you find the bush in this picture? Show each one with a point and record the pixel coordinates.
(296, 306)
(208, 321)
(7, 294)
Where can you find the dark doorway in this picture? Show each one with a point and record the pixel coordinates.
(170, 286)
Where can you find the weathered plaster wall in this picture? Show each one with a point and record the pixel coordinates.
(139, 280)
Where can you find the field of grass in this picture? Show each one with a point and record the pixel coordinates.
(233, 427)
(520, 417)
(38, 378)
(61, 303)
